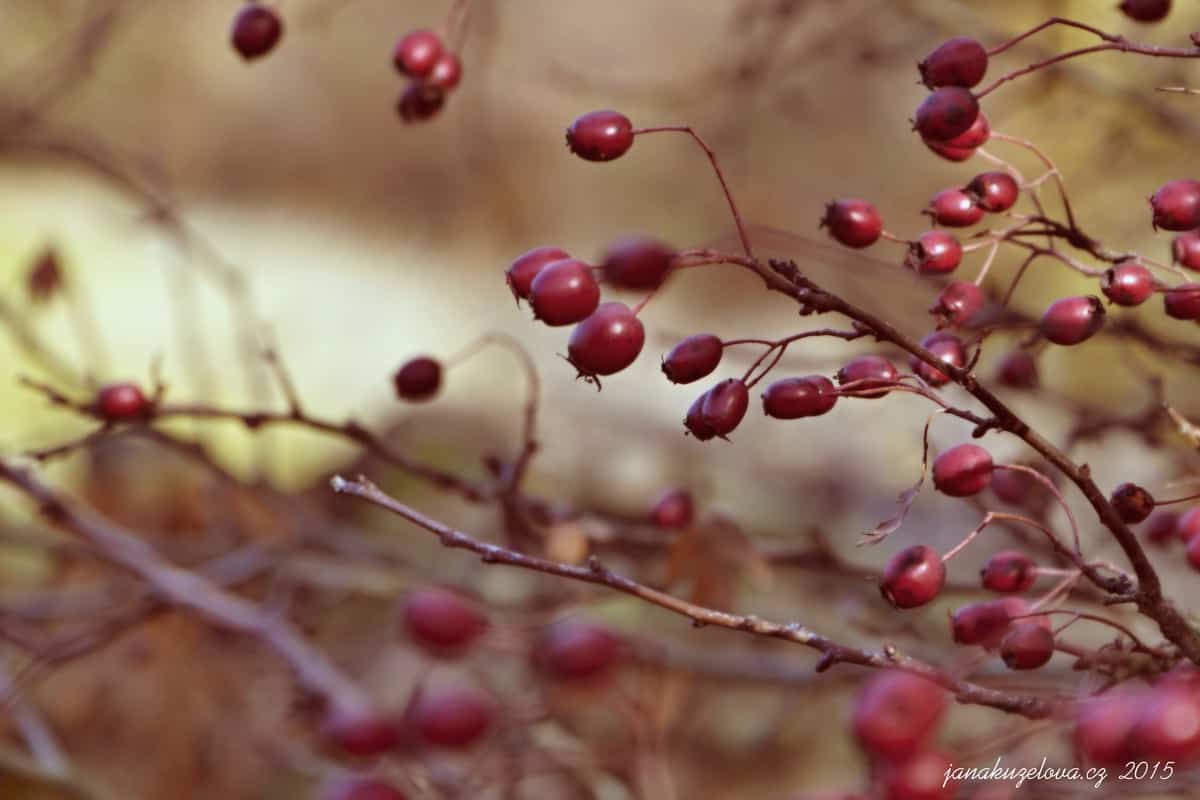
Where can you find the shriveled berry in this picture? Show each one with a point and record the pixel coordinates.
(1027, 645)
(1127, 284)
(913, 577)
(256, 30)
(417, 52)
(571, 650)
(1145, 10)
(606, 342)
(954, 208)
(600, 135)
(445, 73)
(994, 191)
(963, 470)
(934, 252)
(693, 358)
(419, 102)
(1162, 527)
(564, 292)
(948, 348)
(1185, 250)
(1008, 571)
(1072, 320)
(637, 262)
(672, 509)
(725, 405)
(120, 402)
(973, 137)
(1189, 525)
(1168, 728)
(525, 267)
(960, 61)
(793, 398)
(1132, 503)
(1018, 370)
(363, 735)
(921, 777)
(958, 303)
(442, 620)
(1104, 726)
(946, 113)
(852, 222)
(1182, 301)
(453, 717)
(868, 372)
(418, 379)
(362, 789)
(695, 423)
(895, 712)
(1176, 205)
(949, 152)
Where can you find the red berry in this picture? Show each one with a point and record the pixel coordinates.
(1132, 503)
(973, 137)
(1018, 370)
(954, 208)
(958, 303)
(606, 342)
(1014, 487)
(1182, 301)
(948, 348)
(672, 509)
(986, 622)
(121, 402)
(1189, 525)
(694, 421)
(453, 717)
(852, 222)
(420, 102)
(362, 789)
(256, 30)
(442, 620)
(1185, 250)
(949, 152)
(963, 470)
(994, 191)
(564, 292)
(1008, 571)
(895, 713)
(913, 577)
(1027, 645)
(793, 398)
(1176, 205)
(1104, 724)
(1072, 320)
(1145, 10)
(571, 650)
(417, 52)
(868, 372)
(363, 735)
(525, 267)
(1127, 284)
(922, 777)
(1168, 728)
(600, 135)
(1193, 552)
(418, 379)
(445, 73)
(725, 405)
(693, 358)
(1162, 527)
(637, 263)
(934, 252)
(946, 113)
(960, 61)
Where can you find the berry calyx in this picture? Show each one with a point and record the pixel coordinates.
(1008, 572)
(934, 252)
(868, 372)
(637, 263)
(454, 717)
(418, 379)
(963, 470)
(693, 358)
(525, 267)
(1127, 284)
(954, 208)
(945, 113)
(948, 348)
(417, 52)
(673, 509)
(121, 402)
(442, 620)
(606, 342)
(256, 30)
(1132, 503)
(960, 61)
(1018, 370)
(852, 222)
(419, 102)
(958, 303)
(363, 735)
(575, 651)
(1182, 301)
(913, 577)
(362, 789)
(445, 73)
(994, 191)
(794, 398)
(1176, 205)
(564, 292)
(1072, 320)
(1185, 250)
(1027, 645)
(1145, 10)
(896, 712)
(725, 405)
(600, 135)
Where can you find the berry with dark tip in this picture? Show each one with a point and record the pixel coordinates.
(1182, 301)
(960, 61)
(1072, 320)
(1185, 250)
(362, 789)
(852, 222)
(453, 717)
(948, 348)
(442, 620)
(868, 372)
(963, 470)
(1008, 572)
(693, 358)
(1127, 284)
(1145, 10)
(1027, 645)
(363, 735)
(417, 52)
(994, 191)
(525, 267)
(418, 379)
(600, 135)
(574, 651)
(896, 712)
(1176, 205)
(934, 252)
(1018, 370)
(564, 292)
(256, 30)
(958, 303)
(924, 776)
(913, 577)
(954, 208)
(1162, 527)
(794, 398)
(946, 113)
(694, 421)
(445, 73)
(672, 509)
(725, 405)
(121, 402)
(606, 342)
(420, 102)
(637, 263)
(1132, 503)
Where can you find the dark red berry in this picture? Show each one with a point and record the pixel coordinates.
(960, 61)
(725, 405)
(606, 342)
(672, 509)
(934, 252)
(420, 102)
(1162, 527)
(994, 191)
(1185, 250)
(570, 650)
(987, 622)
(119, 402)
(896, 712)
(417, 52)
(564, 292)
(1193, 552)
(600, 135)
(913, 577)
(948, 348)
(1145, 10)
(1132, 502)
(793, 398)
(1182, 301)
(693, 358)
(1189, 525)
(363, 735)
(445, 73)
(1104, 726)
(1015, 487)
(854, 223)
(1176, 205)
(1018, 370)
(453, 717)
(637, 263)
(418, 379)
(963, 470)
(1027, 645)
(525, 267)
(1072, 320)
(958, 303)
(256, 30)
(442, 620)
(1127, 284)
(1008, 571)
(973, 137)
(946, 113)
(954, 208)
(362, 789)
(949, 152)
(922, 777)
(694, 421)
(1168, 727)
(868, 372)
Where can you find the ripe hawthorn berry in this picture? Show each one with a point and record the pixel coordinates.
(1182, 301)
(948, 348)
(606, 342)
(1008, 572)
(949, 152)
(672, 509)
(1176, 205)
(1168, 727)
(419, 102)
(921, 777)
(1027, 645)
(958, 303)
(363, 735)
(934, 252)
(973, 137)
(442, 620)
(445, 73)
(637, 263)
(362, 789)
(1018, 370)
(1072, 320)
(121, 402)
(1189, 525)
(418, 379)
(868, 372)
(987, 622)
(794, 398)
(960, 61)
(725, 405)
(600, 135)
(1185, 250)
(1104, 725)
(1145, 10)
(954, 208)
(994, 191)
(913, 577)
(852, 222)
(694, 421)
(896, 712)
(574, 651)
(417, 52)
(1015, 487)
(1193, 552)
(564, 292)
(963, 470)
(1132, 503)
(693, 358)
(256, 30)
(1162, 527)
(453, 717)
(945, 113)
(525, 267)
(1127, 284)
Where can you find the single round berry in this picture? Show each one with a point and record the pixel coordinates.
(1008, 571)
(1027, 645)
(954, 208)
(445, 73)
(852, 222)
(934, 252)
(1132, 502)
(1072, 320)
(571, 650)
(960, 61)
(693, 358)
(637, 263)
(987, 622)
(363, 735)
(419, 102)
(958, 303)
(695, 423)
(1189, 525)
(417, 52)
(793, 398)
(120, 402)
(924, 776)
(1015, 487)
(441, 619)
(453, 717)
(1193, 552)
(896, 712)
(1168, 727)
(1127, 284)
(1145, 10)
(1162, 527)
(525, 267)
(725, 405)
(963, 470)
(994, 191)
(1182, 301)
(973, 137)
(1176, 205)
(1104, 725)
(946, 113)
(948, 348)
(913, 577)
(672, 509)
(1018, 370)
(1185, 250)
(418, 379)
(606, 342)
(600, 135)
(868, 372)
(256, 30)
(564, 292)
(949, 152)
(362, 789)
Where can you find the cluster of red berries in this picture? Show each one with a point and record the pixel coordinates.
(257, 28)
(1158, 722)
(434, 72)
(1166, 527)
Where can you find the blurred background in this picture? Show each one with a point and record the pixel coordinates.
(186, 192)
